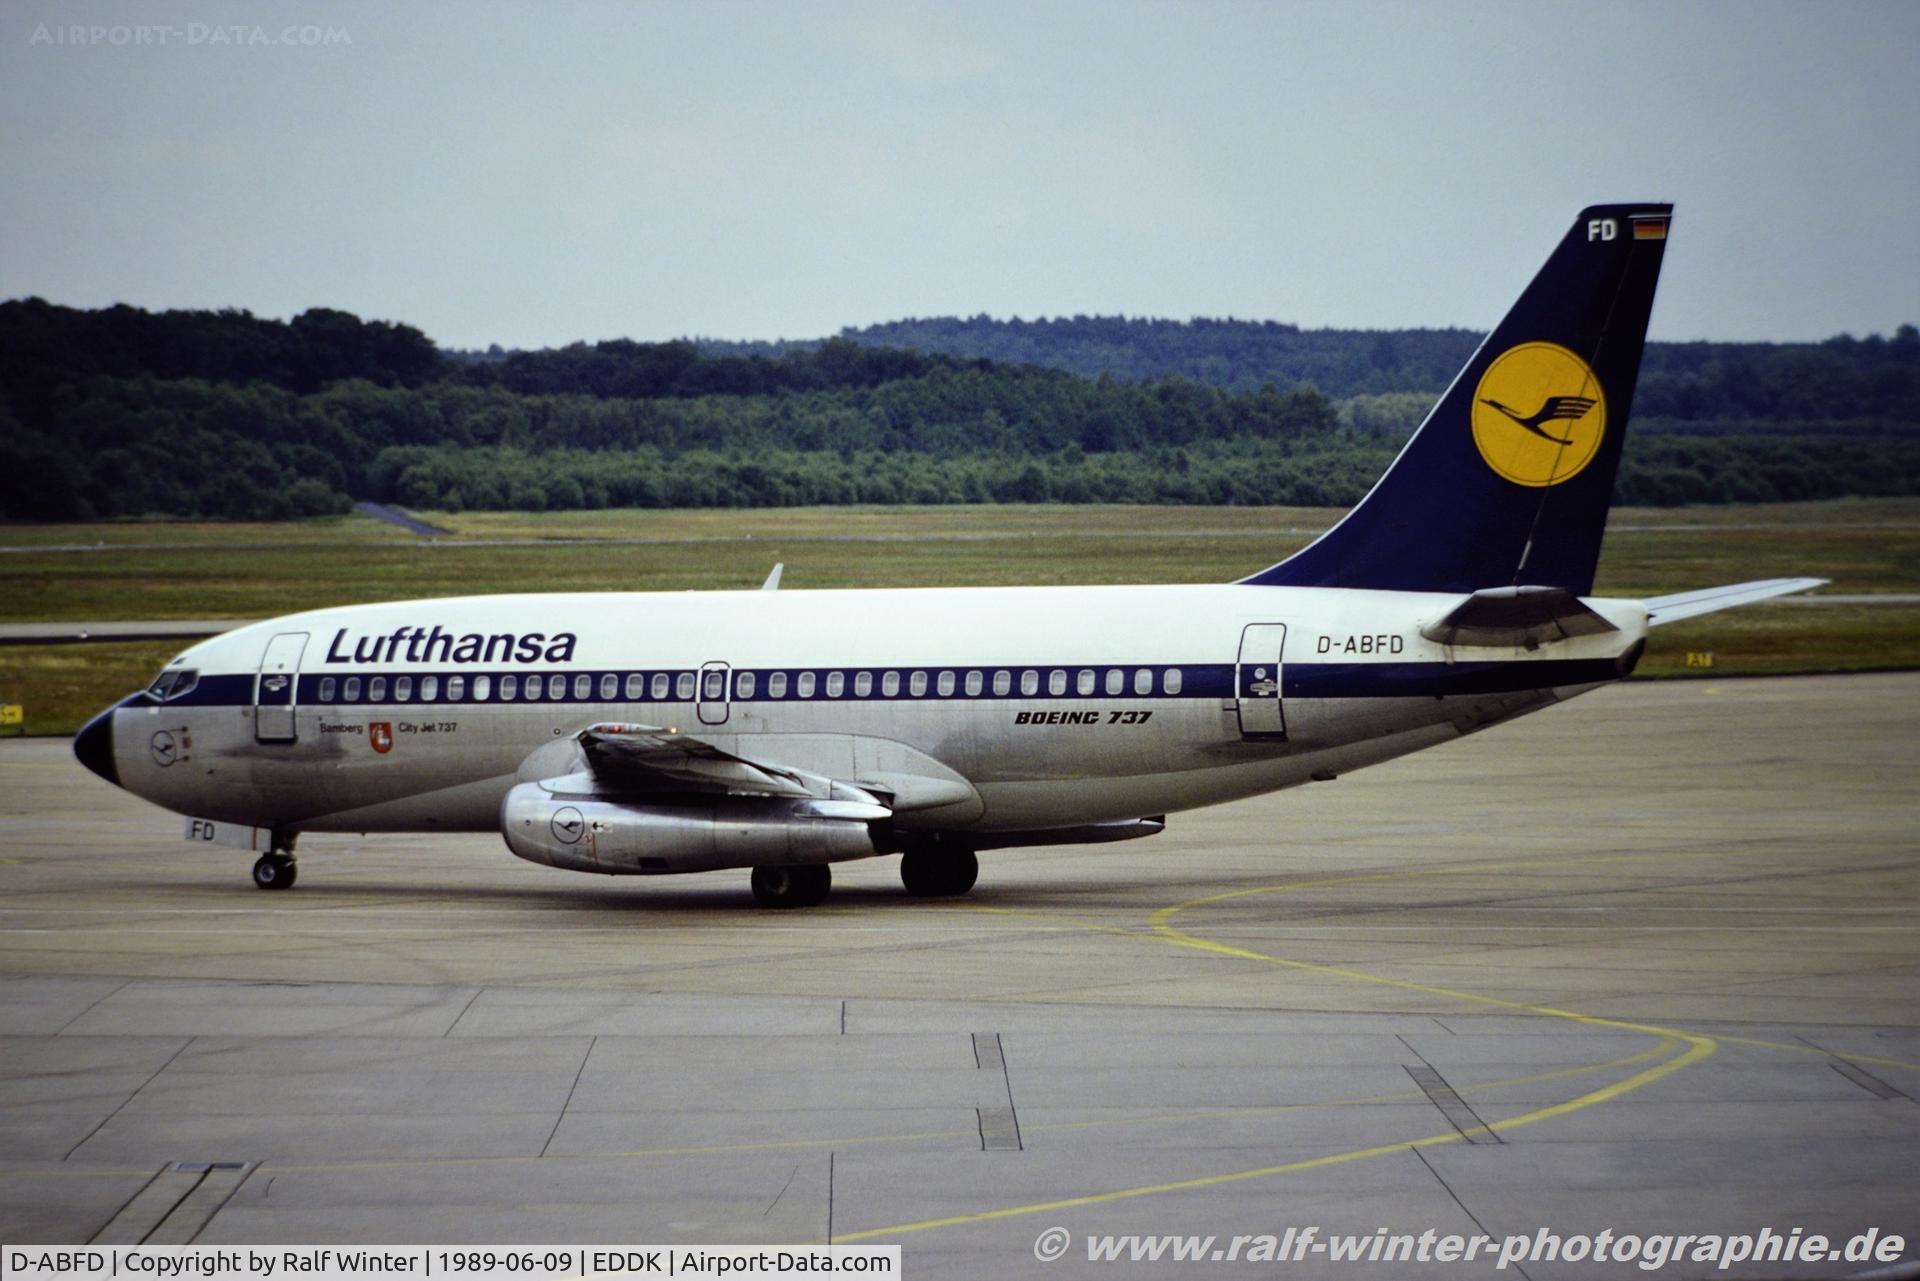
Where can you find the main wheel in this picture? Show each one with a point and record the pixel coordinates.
(803, 886)
(961, 871)
(920, 872)
(932, 872)
(274, 872)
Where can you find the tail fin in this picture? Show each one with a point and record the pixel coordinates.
(1508, 480)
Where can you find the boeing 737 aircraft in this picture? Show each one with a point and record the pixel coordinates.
(629, 733)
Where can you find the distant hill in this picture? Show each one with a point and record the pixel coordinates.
(1843, 377)
(125, 412)
(1236, 355)
(1384, 380)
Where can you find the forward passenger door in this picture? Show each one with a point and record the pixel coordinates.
(274, 688)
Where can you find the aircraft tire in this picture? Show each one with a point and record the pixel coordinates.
(961, 871)
(784, 887)
(274, 872)
(920, 872)
(938, 873)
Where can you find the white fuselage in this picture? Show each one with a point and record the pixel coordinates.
(975, 709)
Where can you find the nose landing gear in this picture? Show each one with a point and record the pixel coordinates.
(275, 870)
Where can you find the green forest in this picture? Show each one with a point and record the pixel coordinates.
(124, 412)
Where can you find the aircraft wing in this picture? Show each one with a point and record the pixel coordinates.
(1671, 609)
(647, 757)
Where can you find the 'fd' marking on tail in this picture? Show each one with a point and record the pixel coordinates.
(1571, 408)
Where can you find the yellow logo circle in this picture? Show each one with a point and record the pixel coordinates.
(1538, 414)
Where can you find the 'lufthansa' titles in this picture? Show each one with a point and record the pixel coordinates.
(435, 645)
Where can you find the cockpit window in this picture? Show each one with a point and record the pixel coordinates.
(175, 682)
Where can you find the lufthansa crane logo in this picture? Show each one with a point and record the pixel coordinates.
(1539, 414)
(567, 825)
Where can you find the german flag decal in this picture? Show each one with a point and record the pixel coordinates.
(1650, 227)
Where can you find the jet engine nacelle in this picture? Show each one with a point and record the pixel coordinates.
(583, 832)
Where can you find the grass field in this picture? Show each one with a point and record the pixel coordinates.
(174, 569)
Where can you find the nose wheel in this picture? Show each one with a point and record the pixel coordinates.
(274, 872)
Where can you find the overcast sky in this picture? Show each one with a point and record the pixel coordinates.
(534, 174)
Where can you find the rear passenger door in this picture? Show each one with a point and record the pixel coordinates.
(1256, 681)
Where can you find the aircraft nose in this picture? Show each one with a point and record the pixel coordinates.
(93, 745)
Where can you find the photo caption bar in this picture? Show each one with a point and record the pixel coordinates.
(328, 1262)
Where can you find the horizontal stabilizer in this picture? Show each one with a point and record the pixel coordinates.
(1507, 617)
(1671, 609)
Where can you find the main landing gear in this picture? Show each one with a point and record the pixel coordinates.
(929, 870)
(275, 869)
(802, 886)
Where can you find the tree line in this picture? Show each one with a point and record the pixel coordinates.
(122, 412)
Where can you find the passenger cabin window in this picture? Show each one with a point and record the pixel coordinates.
(684, 685)
(377, 690)
(482, 688)
(636, 686)
(777, 685)
(1002, 683)
(716, 687)
(532, 691)
(1029, 682)
(556, 687)
(609, 687)
(890, 684)
(509, 688)
(326, 689)
(582, 687)
(429, 688)
(804, 686)
(1170, 680)
(350, 693)
(662, 686)
(973, 684)
(1143, 681)
(945, 685)
(1083, 684)
(743, 685)
(403, 689)
(1116, 681)
(862, 684)
(1056, 682)
(457, 688)
(836, 684)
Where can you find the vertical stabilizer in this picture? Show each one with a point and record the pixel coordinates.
(1508, 480)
